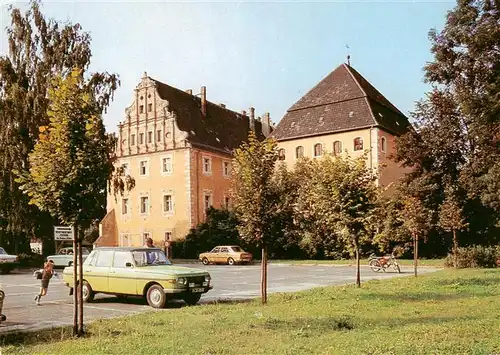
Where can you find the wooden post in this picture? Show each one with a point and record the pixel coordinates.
(358, 276)
(415, 252)
(75, 287)
(263, 284)
(80, 288)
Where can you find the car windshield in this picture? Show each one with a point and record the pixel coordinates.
(236, 249)
(150, 257)
(2, 251)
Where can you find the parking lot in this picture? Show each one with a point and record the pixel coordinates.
(230, 283)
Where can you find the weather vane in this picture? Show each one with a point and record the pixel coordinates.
(348, 55)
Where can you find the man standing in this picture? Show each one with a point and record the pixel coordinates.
(149, 242)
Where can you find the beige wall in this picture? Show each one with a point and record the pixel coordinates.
(388, 170)
(347, 139)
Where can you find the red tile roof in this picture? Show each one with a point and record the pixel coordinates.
(221, 129)
(342, 101)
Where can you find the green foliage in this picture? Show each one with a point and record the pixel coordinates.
(39, 50)
(256, 197)
(72, 160)
(474, 256)
(220, 228)
(336, 201)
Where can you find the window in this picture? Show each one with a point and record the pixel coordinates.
(281, 154)
(224, 250)
(166, 165)
(143, 168)
(358, 143)
(144, 204)
(92, 258)
(168, 236)
(141, 109)
(141, 138)
(104, 258)
(299, 152)
(132, 139)
(125, 240)
(150, 107)
(121, 259)
(125, 208)
(150, 137)
(337, 147)
(168, 205)
(207, 201)
(383, 144)
(207, 165)
(226, 168)
(145, 236)
(227, 202)
(215, 250)
(158, 135)
(125, 169)
(318, 150)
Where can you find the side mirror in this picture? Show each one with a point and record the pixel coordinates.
(128, 264)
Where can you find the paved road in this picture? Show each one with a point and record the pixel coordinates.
(230, 282)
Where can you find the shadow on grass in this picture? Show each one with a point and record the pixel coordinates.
(472, 281)
(321, 324)
(416, 296)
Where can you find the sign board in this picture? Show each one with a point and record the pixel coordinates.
(63, 233)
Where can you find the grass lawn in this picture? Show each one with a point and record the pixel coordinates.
(447, 312)
(406, 262)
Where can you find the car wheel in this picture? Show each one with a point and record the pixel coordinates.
(230, 261)
(205, 261)
(156, 297)
(192, 298)
(88, 294)
(374, 265)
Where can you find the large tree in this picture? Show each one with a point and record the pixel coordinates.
(456, 144)
(256, 195)
(40, 49)
(337, 201)
(72, 165)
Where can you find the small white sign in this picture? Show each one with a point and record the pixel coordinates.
(63, 233)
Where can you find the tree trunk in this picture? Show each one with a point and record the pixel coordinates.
(263, 279)
(75, 285)
(80, 289)
(358, 276)
(415, 253)
(455, 248)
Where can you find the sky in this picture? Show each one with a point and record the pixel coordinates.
(258, 54)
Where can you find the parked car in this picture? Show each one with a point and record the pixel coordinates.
(65, 256)
(226, 254)
(139, 271)
(7, 262)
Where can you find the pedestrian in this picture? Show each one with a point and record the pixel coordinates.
(149, 242)
(47, 273)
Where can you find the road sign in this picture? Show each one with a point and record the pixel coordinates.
(63, 233)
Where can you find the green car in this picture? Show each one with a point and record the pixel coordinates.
(143, 272)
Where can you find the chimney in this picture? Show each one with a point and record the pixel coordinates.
(222, 105)
(204, 101)
(189, 91)
(266, 125)
(252, 119)
(243, 112)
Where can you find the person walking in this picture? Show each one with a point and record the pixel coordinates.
(47, 273)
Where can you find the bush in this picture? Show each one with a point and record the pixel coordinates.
(474, 256)
(30, 260)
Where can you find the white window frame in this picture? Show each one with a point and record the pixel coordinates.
(123, 237)
(362, 144)
(127, 205)
(297, 150)
(341, 147)
(172, 204)
(126, 168)
(147, 167)
(281, 154)
(148, 205)
(211, 197)
(225, 173)
(209, 159)
(163, 172)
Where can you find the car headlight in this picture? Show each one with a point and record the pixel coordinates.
(181, 280)
(207, 278)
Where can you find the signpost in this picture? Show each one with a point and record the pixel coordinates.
(65, 233)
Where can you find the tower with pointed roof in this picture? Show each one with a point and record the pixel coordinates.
(343, 113)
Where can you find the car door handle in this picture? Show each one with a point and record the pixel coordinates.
(112, 272)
